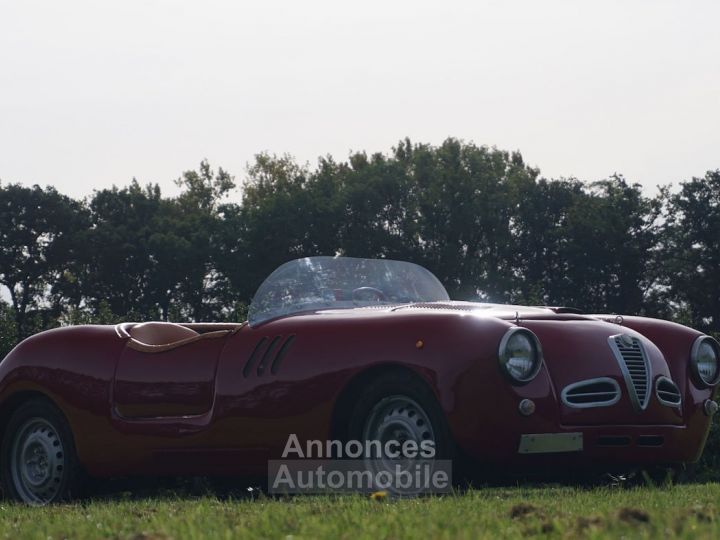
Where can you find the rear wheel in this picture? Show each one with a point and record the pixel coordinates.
(38, 460)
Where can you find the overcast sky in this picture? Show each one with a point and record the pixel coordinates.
(97, 92)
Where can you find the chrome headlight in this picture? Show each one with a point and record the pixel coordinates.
(705, 361)
(520, 355)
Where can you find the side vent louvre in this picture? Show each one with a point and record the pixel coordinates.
(667, 392)
(268, 352)
(281, 353)
(253, 355)
(265, 355)
(635, 367)
(601, 392)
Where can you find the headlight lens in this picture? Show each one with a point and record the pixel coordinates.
(705, 361)
(520, 355)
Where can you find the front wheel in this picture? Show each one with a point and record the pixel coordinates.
(38, 460)
(398, 412)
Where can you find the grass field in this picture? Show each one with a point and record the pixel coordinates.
(686, 511)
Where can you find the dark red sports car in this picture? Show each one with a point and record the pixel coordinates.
(338, 349)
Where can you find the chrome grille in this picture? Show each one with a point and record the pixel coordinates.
(667, 392)
(600, 392)
(635, 368)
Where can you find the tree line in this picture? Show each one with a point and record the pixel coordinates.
(482, 220)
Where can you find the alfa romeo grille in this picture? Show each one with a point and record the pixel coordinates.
(601, 392)
(667, 392)
(635, 367)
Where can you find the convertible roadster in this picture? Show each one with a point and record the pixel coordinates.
(352, 349)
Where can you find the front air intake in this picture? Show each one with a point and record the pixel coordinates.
(635, 367)
(667, 392)
(601, 392)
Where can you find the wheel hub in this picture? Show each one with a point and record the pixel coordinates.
(36, 458)
(397, 419)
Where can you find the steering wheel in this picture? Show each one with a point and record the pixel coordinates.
(381, 297)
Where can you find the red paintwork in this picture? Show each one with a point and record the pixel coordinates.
(192, 411)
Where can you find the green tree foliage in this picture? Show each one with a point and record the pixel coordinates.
(607, 238)
(539, 225)
(8, 332)
(378, 208)
(39, 232)
(286, 213)
(691, 250)
(464, 209)
(118, 267)
(480, 218)
(190, 228)
(151, 256)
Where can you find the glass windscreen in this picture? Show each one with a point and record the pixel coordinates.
(317, 283)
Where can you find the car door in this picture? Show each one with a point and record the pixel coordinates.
(178, 382)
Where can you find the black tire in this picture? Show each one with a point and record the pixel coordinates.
(404, 385)
(38, 462)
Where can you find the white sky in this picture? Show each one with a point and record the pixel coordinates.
(95, 92)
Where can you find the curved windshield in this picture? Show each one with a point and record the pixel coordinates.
(318, 283)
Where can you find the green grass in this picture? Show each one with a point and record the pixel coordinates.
(686, 511)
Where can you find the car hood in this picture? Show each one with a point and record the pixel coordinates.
(579, 351)
(500, 311)
(576, 349)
